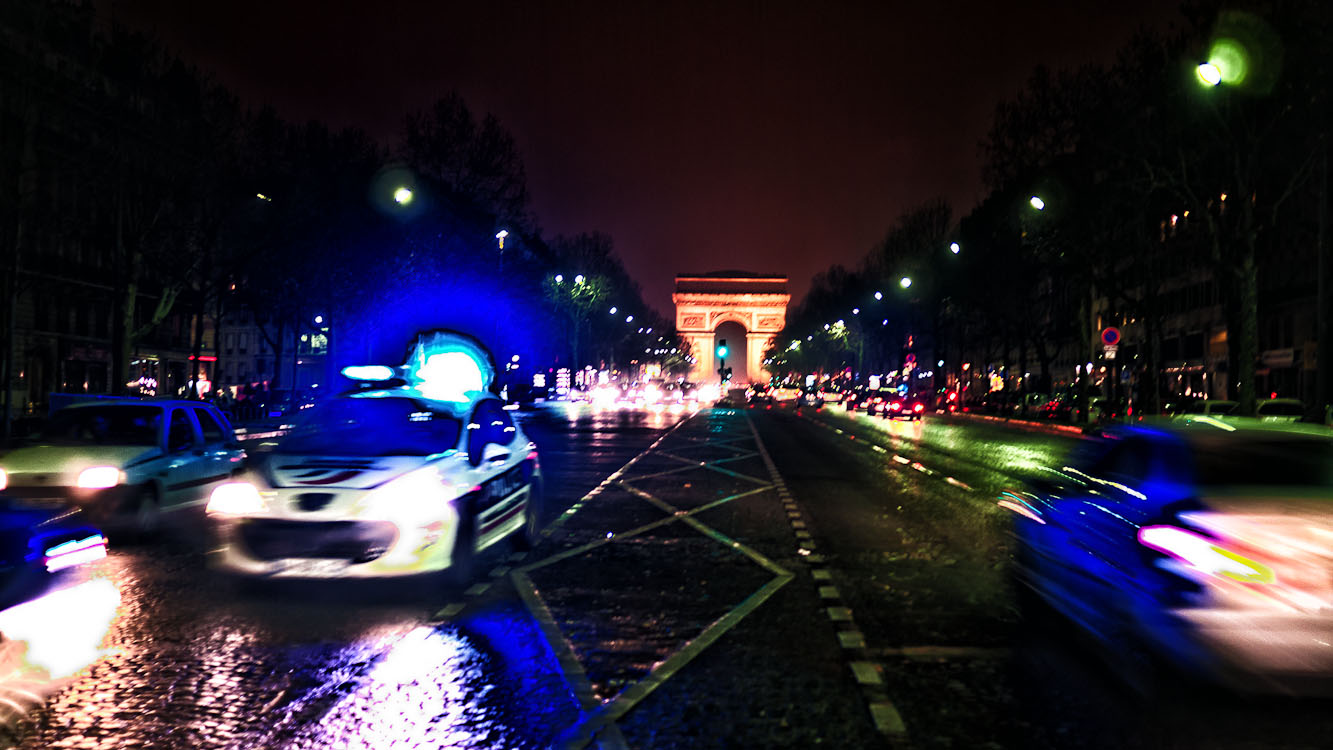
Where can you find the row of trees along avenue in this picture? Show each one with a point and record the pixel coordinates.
(1107, 184)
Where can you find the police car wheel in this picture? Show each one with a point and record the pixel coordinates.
(463, 560)
(526, 538)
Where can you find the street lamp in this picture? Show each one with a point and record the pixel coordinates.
(500, 235)
(1209, 74)
(613, 311)
(559, 278)
(402, 196)
(578, 279)
(953, 248)
(879, 295)
(1037, 203)
(905, 282)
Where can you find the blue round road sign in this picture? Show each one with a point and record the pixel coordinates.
(1110, 336)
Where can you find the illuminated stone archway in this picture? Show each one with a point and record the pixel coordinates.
(757, 302)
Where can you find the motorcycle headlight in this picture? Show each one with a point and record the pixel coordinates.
(235, 499)
(99, 478)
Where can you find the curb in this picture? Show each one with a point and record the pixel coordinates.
(1023, 424)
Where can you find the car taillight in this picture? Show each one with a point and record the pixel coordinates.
(895, 406)
(918, 407)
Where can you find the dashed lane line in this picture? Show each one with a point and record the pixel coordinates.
(865, 669)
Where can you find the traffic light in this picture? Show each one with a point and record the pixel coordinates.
(721, 348)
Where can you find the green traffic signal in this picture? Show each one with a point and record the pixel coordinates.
(722, 349)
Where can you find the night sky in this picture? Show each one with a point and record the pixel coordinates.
(769, 136)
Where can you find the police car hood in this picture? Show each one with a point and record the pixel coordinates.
(335, 472)
(69, 459)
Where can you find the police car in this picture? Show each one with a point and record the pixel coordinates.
(417, 470)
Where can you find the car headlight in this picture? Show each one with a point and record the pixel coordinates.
(99, 478)
(235, 499)
(412, 500)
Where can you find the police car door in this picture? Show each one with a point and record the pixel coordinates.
(494, 455)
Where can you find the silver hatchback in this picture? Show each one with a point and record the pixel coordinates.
(124, 462)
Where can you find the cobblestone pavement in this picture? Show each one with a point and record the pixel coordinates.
(736, 578)
(194, 661)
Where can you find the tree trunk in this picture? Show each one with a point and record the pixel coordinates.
(1247, 344)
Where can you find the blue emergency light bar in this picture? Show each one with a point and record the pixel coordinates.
(369, 372)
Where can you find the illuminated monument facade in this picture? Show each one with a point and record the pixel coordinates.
(747, 310)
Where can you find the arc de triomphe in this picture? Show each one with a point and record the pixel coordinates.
(755, 303)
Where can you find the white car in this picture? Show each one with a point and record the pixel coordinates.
(416, 472)
(1286, 410)
(125, 462)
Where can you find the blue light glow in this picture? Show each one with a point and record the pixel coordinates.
(368, 372)
(450, 366)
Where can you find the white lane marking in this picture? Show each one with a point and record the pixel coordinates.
(867, 672)
(887, 718)
(839, 614)
(851, 639)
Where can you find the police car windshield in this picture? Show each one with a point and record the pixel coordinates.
(104, 425)
(372, 427)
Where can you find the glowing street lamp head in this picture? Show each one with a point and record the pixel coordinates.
(402, 196)
(1209, 74)
(953, 248)
(905, 282)
(629, 318)
(500, 235)
(1037, 203)
(578, 279)
(559, 278)
(879, 295)
(614, 311)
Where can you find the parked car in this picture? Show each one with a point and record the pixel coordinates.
(1029, 404)
(1280, 410)
(124, 462)
(1206, 407)
(1196, 545)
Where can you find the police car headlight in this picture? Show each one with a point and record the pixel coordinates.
(99, 478)
(422, 485)
(235, 499)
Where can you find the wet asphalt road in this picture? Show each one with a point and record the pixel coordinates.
(736, 578)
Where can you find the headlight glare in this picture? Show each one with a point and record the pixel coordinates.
(98, 478)
(235, 499)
